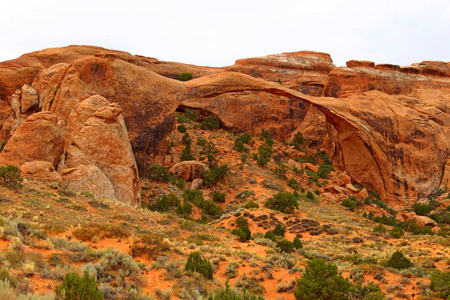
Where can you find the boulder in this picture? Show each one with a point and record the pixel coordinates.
(29, 99)
(189, 170)
(197, 184)
(40, 138)
(88, 178)
(40, 171)
(311, 167)
(420, 220)
(363, 194)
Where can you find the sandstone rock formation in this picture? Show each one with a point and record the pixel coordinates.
(97, 135)
(388, 128)
(40, 137)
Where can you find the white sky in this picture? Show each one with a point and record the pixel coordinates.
(216, 33)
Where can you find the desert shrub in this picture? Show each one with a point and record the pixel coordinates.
(324, 170)
(351, 203)
(293, 183)
(193, 196)
(379, 228)
(298, 141)
(182, 128)
(241, 222)
(232, 294)
(285, 246)
(413, 227)
(75, 287)
(215, 174)
(281, 171)
(310, 195)
(186, 139)
(322, 281)
(5, 274)
(251, 204)
(219, 197)
(210, 123)
(192, 114)
(249, 284)
(159, 173)
(243, 233)
(424, 209)
(279, 230)
(210, 152)
(164, 203)
(283, 201)
(10, 176)
(149, 246)
(201, 141)
(186, 76)
(398, 261)
(366, 292)
(264, 153)
(184, 209)
(198, 264)
(440, 284)
(270, 235)
(396, 232)
(239, 143)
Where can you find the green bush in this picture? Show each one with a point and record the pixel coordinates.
(293, 183)
(351, 203)
(440, 284)
(279, 230)
(164, 203)
(285, 246)
(324, 170)
(210, 123)
(270, 235)
(297, 243)
(210, 152)
(243, 233)
(280, 171)
(398, 261)
(198, 264)
(310, 195)
(284, 202)
(215, 174)
(192, 114)
(251, 204)
(219, 197)
(186, 154)
(424, 209)
(228, 294)
(396, 232)
(10, 176)
(186, 139)
(379, 228)
(74, 287)
(159, 173)
(322, 281)
(241, 222)
(239, 143)
(182, 128)
(264, 154)
(185, 76)
(298, 141)
(201, 141)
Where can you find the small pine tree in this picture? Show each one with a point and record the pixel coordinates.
(10, 176)
(75, 287)
(279, 230)
(297, 243)
(284, 202)
(198, 264)
(398, 261)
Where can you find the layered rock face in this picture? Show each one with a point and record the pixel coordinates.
(386, 125)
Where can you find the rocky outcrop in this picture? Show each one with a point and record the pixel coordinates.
(40, 171)
(40, 137)
(420, 220)
(88, 179)
(388, 128)
(189, 170)
(97, 135)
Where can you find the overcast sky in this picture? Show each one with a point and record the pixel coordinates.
(216, 33)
